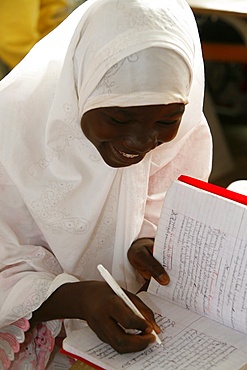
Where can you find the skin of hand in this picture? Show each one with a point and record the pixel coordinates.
(105, 313)
(140, 255)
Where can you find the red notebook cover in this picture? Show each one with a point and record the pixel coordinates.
(81, 359)
(215, 189)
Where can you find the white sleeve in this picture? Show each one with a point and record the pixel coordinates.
(29, 272)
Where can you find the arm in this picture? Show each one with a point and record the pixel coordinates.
(75, 301)
(32, 282)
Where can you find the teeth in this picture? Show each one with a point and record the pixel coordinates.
(129, 155)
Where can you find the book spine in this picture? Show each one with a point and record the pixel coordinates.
(215, 189)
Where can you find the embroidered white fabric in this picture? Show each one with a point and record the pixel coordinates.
(146, 81)
(63, 210)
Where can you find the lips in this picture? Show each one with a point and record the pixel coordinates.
(128, 155)
(119, 158)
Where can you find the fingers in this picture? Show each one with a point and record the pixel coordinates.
(141, 258)
(122, 341)
(111, 326)
(146, 312)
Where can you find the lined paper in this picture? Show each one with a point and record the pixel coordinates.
(202, 243)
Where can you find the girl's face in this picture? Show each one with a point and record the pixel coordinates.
(123, 136)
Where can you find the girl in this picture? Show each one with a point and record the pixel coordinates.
(96, 122)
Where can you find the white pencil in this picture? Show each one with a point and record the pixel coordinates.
(119, 291)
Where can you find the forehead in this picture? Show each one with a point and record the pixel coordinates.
(168, 110)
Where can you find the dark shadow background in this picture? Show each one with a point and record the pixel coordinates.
(226, 83)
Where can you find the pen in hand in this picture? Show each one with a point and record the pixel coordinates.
(119, 291)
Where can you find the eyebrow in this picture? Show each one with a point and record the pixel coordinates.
(129, 114)
(120, 110)
(180, 110)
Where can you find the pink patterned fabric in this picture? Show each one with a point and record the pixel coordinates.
(36, 349)
(13, 342)
(4, 359)
(30, 350)
(10, 339)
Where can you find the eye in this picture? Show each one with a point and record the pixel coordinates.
(168, 123)
(118, 122)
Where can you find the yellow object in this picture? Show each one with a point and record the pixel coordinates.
(24, 22)
(78, 365)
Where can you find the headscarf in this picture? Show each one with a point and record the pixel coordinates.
(151, 76)
(64, 210)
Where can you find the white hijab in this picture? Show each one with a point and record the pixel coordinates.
(73, 210)
(151, 76)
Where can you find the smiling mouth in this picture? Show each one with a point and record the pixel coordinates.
(127, 155)
(118, 158)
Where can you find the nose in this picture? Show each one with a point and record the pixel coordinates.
(141, 142)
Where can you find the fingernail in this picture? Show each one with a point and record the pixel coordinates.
(163, 279)
(157, 328)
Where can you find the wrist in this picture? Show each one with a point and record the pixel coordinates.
(66, 302)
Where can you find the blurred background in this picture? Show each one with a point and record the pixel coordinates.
(25, 22)
(223, 30)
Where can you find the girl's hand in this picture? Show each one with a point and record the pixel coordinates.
(140, 255)
(109, 317)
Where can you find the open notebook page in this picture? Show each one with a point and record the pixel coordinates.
(189, 341)
(202, 243)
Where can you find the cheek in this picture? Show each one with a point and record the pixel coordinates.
(168, 134)
(90, 130)
(99, 133)
(87, 132)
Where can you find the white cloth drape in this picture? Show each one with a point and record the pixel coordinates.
(62, 209)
